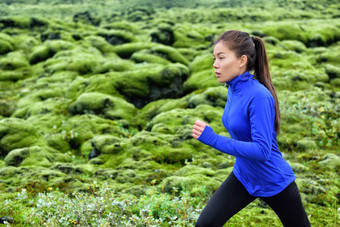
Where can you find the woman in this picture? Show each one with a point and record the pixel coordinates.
(252, 118)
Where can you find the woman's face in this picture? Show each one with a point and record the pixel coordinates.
(227, 65)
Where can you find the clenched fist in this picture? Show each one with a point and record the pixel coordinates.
(198, 128)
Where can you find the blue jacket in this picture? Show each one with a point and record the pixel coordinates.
(249, 116)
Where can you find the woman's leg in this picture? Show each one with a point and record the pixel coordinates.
(288, 206)
(228, 199)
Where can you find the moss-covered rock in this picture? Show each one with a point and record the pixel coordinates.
(77, 60)
(330, 161)
(13, 61)
(201, 80)
(173, 155)
(5, 46)
(306, 144)
(215, 96)
(189, 170)
(145, 56)
(58, 142)
(126, 50)
(71, 169)
(41, 53)
(106, 144)
(168, 53)
(118, 37)
(17, 133)
(15, 22)
(164, 34)
(28, 156)
(332, 71)
(81, 128)
(294, 45)
(201, 63)
(103, 105)
(299, 168)
(151, 82)
(85, 17)
(174, 184)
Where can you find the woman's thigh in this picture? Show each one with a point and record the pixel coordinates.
(228, 199)
(288, 206)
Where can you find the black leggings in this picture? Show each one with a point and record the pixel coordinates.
(231, 197)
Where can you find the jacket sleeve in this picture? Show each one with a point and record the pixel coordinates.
(262, 116)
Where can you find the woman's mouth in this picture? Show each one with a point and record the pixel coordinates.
(218, 74)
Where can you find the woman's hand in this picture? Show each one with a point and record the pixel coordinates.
(198, 128)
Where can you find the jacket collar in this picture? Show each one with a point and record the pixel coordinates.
(235, 84)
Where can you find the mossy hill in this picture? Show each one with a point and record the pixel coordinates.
(108, 91)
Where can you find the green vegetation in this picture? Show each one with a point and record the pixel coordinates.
(98, 99)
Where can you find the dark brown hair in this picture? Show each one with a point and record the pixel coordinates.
(254, 48)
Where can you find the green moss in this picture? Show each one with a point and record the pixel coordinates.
(189, 170)
(16, 22)
(285, 31)
(174, 184)
(270, 40)
(41, 102)
(57, 141)
(298, 167)
(28, 156)
(98, 42)
(332, 71)
(118, 37)
(181, 120)
(164, 34)
(214, 96)
(124, 25)
(187, 36)
(71, 169)
(26, 43)
(151, 82)
(126, 50)
(329, 55)
(40, 53)
(80, 128)
(294, 45)
(168, 53)
(172, 156)
(313, 34)
(108, 106)
(77, 60)
(335, 82)
(222, 174)
(201, 63)
(144, 56)
(9, 172)
(189, 53)
(5, 46)
(107, 144)
(16, 133)
(115, 63)
(59, 45)
(201, 80)
(330, 161)
(11, 75)
(14, 60)
(76, 87)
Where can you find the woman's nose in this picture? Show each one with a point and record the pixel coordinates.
(215, 65)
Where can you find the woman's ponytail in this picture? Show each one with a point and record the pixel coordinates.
(262, 74)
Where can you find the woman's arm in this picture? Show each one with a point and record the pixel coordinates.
(262, 115)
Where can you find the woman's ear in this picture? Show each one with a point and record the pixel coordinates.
(243, 61)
